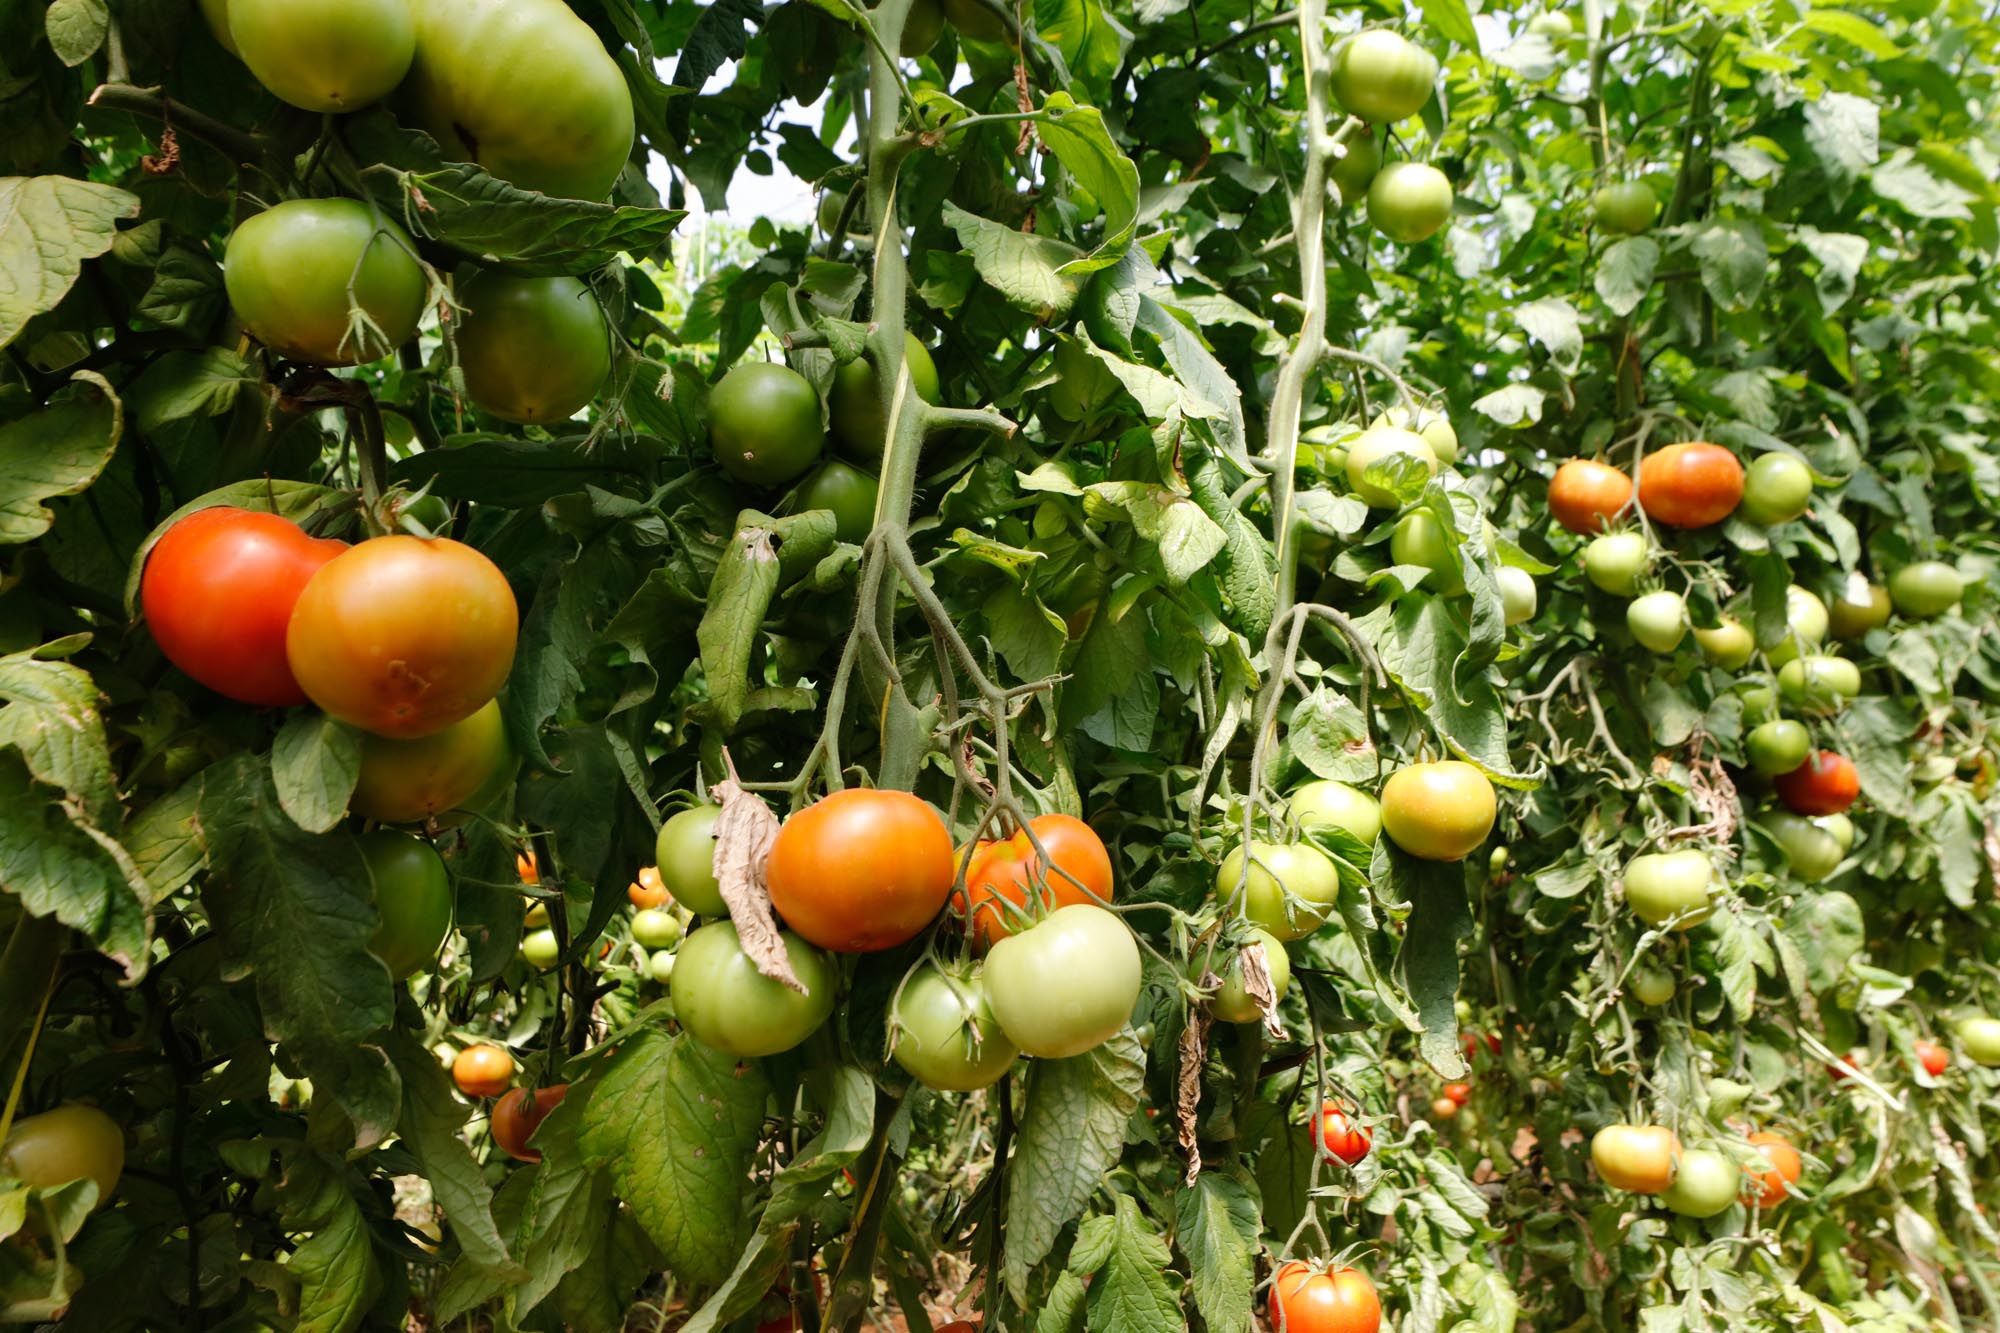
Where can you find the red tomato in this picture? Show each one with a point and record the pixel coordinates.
(1005, 871)
(861, 870)
(516, 1117)
(1460, 1093)
(483, 1070)
(1690, 485)
(403, 636)
(1585, 495)
(1786, 1168)
(218, 592)
(1341, 1137)
(1340, 1300)
(1934, 1058)
(1825, 784)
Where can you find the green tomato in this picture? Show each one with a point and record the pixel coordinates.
(541, 949)
(1232, 1003)
(1811, 852)
(1840, 826)
(412, 898)
(685, 853)
(660, 967)
(1859, 607)
(288, 271)
(1066, 984)
(946, 1036)
(656, 929)
(1653, 986)
(533, 350)
(1729, 645)
(1926, 589)
(1518, 595)
(1658, 620)
(854, 404)
(725, 1002)
(1980, 1038)
(1496, 861)
(1705, 1184)
(216, 14)
(1663, 886)
(1778, 746)
(1806, 624)
(1420, 540)
(1354, 171)
(325, 55)
(1625, 209)
(1776, 489)
(1386, 448)
(1381, 76)
(1435, 427)
(1819, 685)
(976, 21)
(1324, 804)
(71, 1142)
(1290, 891)
(845, 490)
(1409, 201)
(1616, 561)
(764, 423)
(922, 26)
(525, 89)
(1759, 696)
(1554, 25)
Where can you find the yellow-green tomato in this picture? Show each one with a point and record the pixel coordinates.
(541, 949)
(1627, 208)
(1382, 76)
(1067, 984)
(1518, 595)
(1840, 826)
(1325, 804)
(655, 928)
(1354, 171)
(1819, 685)
(1434, 426)
(946, 1036)
(660, 967)
(216, 14)
(1980, 1038)
(1670, 886)
(1729, 645)
(1705, 1184)
(1652, 986)
(1658, 621)
(685, 854)
(1232, 1003)
(297, 271)
(1422, 541)
(1395, 457)
(1439, 812)
(1616, 561)
(1288, 890)
(1859, 607)
(1926, 589)
(725, 1002)
(71, 1142)
(1806, 624)
(1811, 852)
(325, 55)
(1409, 201)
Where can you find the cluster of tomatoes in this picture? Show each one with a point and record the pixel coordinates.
(1380, 77)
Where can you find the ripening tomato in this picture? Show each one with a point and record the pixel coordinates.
(218, 592)
(1776, 489)
(1324, 804)
(946, 1035)
(847, 493)
(724, 1001)
(1786, 1168)
(484, 1070)
(71, 1142)
(403, 636)
(1586, 496)
(1340, 1137)
(533, 350)
(1664, 887)
(412, 897)
(1232, 1002)
(1657, 620)
(1638, 1159)
(1778, 746)
(1008, 871)
(1458, 1092)
(1690, 485)
(1926, 589)
(1444, 1108)
(854, 403)
(296, 272)
(1066, 984)
(325, 55)
(1554, 25)
(1705, 1184)
(1626, 208)
(685, 851)
(1825, 784)
(1439, 812)
(408, 782)
(1858, 607)
(1518, 594)
(861, 870)
(525, 89)
(1339, 1300)
(518, 1114)
(1382, 76)
(1288, 890)
(1409, 201)
(1729, 645)
(764, 423)
(524, 865)
(647, 892)
(1390, 449)
(1616, 561)
(1934, 1058)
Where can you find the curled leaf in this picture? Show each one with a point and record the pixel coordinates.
(1187, 1096)
(744, 833)
(1258, 986)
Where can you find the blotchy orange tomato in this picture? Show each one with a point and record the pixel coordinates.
(1786, 1168)
(1586, 495)
(1690, 485)
(1339, 1300)
(647, 892)
(1825, 784)
(519, 1114)
(861, 870)
(1078, 870)
(484, 1070)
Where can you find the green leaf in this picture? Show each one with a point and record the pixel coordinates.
(1516, 405)
(429, 1128)
(1875, 733)
(1453, 20)
(1216, 1226)
(185, 384)
(1093, 44)
(1625, 273)
(1439, 919)
(60, 865)
(315, 762)
(76, 29)
(1733, 260)
(1076, 135)
(1071, 1133)
(48, 226)
(1187, 538)
(48, 711)
(1854, 30)
(677, 1123)
(59, 450)
(1135, 1289)
(335, 1265)
(1032, 273)
(1828, 930)
(732, 625)
(1329, 735)
(1028, 636)
(1844, 132)
(186, 292)
(1553, 322)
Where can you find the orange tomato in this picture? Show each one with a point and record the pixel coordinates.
(519, 1114)
(1825, 784)
(861, 870)
(1338, 1300)
(1786, 1168)
(1690, 485)
(1586, 495)
(1005, 871)
(484, 1070)
(647, 892)
(525, 867)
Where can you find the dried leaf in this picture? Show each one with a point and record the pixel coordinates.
(1257, 985)
(1187, 1100)
(743, 836)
